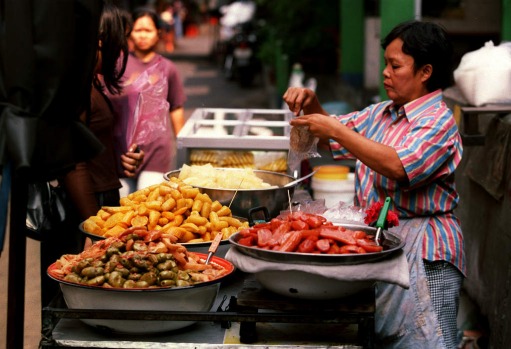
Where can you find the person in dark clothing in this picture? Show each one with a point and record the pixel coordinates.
(94, 183)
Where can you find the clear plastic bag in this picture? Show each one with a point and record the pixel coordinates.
(303, 146)
(142, 110)
(151, 114)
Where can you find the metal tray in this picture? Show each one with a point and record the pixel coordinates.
(391, 244)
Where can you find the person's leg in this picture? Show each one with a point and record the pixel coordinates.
(444, 282)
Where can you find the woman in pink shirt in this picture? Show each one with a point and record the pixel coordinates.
(153, 94)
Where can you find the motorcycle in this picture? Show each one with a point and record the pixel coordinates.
(238, 33)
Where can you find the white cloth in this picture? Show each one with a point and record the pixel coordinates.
(393, 269)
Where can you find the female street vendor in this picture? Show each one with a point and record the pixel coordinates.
(407, 148)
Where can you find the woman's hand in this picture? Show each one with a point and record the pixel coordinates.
(131, 160)
(321, 126)
(299, 98)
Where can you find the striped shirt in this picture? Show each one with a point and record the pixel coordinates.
(426, 138)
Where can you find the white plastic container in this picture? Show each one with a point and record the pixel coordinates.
(333, 185)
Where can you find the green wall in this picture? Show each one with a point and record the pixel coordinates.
(393, 12)
(352, 38)
(506, 20)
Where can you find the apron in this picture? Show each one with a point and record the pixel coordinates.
(407, 318)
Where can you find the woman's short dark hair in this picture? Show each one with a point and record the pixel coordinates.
(145, 11)
(427, 43)
(114, 27)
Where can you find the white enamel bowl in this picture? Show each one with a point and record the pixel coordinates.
(199, 297)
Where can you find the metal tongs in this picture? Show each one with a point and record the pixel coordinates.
(381, 223)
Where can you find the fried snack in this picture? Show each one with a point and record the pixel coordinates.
(278, 165)
(172, 207)
(203, 157)
(237, 159)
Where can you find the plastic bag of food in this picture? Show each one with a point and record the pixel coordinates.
(484, 76)
(302, 146)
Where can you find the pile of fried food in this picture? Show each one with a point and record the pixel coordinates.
(219, 158)
(137, 258)
(275, 161)
(172, 207)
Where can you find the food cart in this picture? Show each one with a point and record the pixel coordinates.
(244, 314)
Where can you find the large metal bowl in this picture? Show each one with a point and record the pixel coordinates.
(297, 280)
(305, 285)
(199, 297)
(391, 244)
(274, 199)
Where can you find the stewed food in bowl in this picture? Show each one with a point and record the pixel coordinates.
(139, 270)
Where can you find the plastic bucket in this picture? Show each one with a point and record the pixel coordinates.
(334, 184)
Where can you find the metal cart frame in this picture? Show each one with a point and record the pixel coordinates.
(247, 299)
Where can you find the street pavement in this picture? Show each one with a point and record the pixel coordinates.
(204, 87)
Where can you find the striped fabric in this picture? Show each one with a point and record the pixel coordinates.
(426, 139)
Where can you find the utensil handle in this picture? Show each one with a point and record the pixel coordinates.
(215, 243)
(296, 181)
(252, 211)
(382, 218)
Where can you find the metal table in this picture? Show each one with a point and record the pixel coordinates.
(244, 315)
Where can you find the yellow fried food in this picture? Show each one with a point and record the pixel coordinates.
(92, 227)
(172, 207)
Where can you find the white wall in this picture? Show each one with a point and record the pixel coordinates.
(372, 72)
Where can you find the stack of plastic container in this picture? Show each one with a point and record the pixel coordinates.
(334, 184)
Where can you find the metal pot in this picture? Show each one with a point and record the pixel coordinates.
(274, 199)
(302, 284)
(199, 297)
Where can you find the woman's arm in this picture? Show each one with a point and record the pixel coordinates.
(379, 157)
(177, 118)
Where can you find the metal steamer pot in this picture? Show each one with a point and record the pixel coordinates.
(274, 199)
